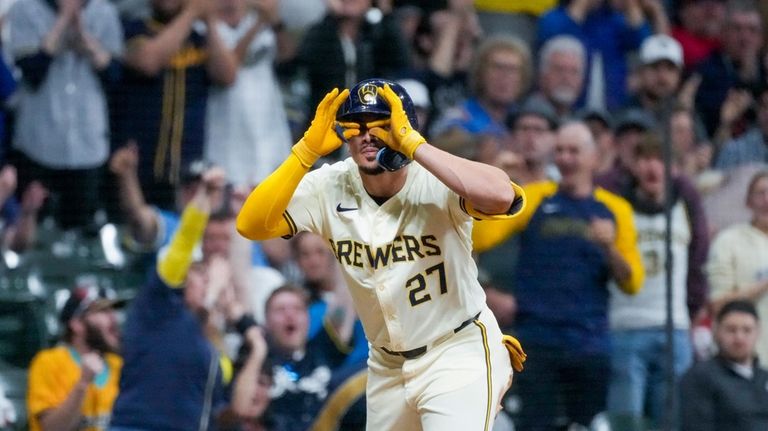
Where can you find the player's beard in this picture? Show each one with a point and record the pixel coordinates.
(96, 340)
(375, 170)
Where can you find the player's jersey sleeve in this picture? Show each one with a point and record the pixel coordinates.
(304, 210)
(626, 238)
(487, 234)
(438, 194)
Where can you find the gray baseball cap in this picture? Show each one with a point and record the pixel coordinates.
(634, 118)
(598, 114)
(537, 107)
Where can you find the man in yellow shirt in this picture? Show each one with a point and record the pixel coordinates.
(72, 386)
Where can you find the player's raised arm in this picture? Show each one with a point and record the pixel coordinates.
(486, 189)
(262, 214)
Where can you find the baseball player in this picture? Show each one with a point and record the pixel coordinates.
(398, 216)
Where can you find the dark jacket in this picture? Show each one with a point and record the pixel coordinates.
(172, 380)
(380, 52)
(714, 397)
(718, 76)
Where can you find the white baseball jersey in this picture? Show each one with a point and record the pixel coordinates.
(407, 263)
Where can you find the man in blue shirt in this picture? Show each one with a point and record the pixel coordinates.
(608, 37)
(575, 238)
(172, 376)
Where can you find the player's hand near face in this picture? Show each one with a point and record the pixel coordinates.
(321, 137)
(261, 216)
(486, 188)
(400, 135)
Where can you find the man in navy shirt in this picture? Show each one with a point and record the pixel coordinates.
(302, 368)
(575, 238)
(161, 104)
(173, 377)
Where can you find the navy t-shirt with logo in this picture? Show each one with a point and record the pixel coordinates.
(301, 384)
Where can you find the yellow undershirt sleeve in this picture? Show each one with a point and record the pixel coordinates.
(487, 234)
(262, 216)
(173, 266)
(518, 204)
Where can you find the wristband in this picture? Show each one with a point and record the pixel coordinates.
(306, 156)
(410, 141)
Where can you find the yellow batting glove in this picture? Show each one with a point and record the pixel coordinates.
(348, 129)
(321, 137)
(516, 354)
(401, 136)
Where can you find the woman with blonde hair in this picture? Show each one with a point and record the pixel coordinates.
(738, 259)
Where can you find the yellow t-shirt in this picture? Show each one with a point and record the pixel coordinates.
(52, 375)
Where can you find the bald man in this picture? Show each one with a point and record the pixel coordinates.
(575, 239)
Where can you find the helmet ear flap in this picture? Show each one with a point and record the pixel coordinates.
(392, 160)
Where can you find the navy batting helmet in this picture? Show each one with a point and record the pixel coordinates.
(364, 99)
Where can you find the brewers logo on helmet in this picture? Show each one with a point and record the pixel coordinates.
(364, 99)
(368, 93)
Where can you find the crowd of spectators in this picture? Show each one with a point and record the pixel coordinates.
(158, 116)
